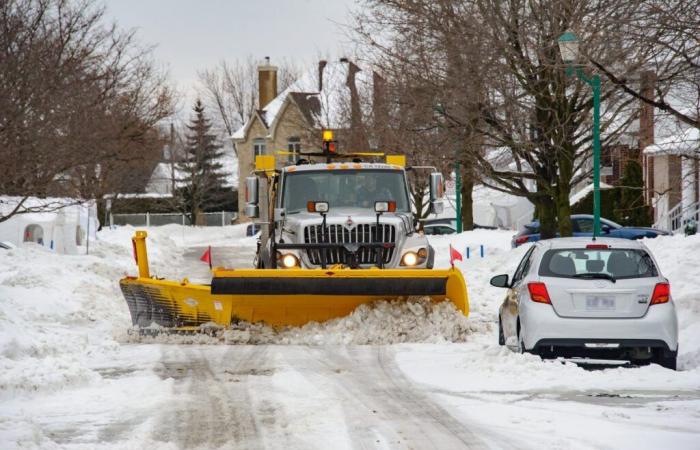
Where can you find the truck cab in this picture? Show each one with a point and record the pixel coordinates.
(352, 214)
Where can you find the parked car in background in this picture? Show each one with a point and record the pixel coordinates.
(438, 229)
(575, 297)
(252, 229)
(446, 225)
(583, 227)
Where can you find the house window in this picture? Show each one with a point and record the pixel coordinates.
(293, 146)
(259, 147)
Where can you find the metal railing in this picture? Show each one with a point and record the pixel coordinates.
(211, 219)
(674, 220)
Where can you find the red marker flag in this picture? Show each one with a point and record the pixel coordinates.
(206, 257)
(454, 255)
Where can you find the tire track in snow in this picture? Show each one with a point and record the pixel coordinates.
(382, 408)
(204, 413)
(418, 396)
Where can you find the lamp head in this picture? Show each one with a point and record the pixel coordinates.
(568, 47)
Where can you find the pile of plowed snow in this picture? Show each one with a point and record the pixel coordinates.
(382, 322)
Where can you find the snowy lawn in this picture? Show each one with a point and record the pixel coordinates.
(71, 377)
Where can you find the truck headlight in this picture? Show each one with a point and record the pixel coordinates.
(412, 258)
(288, 260)
(409, 259)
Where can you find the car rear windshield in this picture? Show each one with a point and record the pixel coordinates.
(597, 263)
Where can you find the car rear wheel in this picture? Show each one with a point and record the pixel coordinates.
(667, 361)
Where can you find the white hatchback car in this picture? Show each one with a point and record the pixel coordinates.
(575, 297)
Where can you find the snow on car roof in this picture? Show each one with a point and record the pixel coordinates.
(341, 166)
(582, 242)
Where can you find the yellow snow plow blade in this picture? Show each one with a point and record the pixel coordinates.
(278, 297)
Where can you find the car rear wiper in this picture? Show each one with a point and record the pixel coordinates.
(596, 275)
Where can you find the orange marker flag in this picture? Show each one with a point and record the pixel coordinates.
(454, 255)
(206, 257)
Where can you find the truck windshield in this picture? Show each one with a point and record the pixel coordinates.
(344, 188)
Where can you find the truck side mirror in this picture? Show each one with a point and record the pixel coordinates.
(436, 193)
(251, 197)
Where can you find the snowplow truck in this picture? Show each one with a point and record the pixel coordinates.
(334, 235)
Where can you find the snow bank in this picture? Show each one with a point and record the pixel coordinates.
(678, 260)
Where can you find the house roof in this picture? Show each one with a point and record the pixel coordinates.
(684, 142)
(324, 108)
(309, 104)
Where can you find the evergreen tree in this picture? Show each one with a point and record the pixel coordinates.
(201, 177)
(632, 210)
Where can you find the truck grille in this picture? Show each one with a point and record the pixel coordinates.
(363, 233)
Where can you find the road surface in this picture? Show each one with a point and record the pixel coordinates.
(278, 396)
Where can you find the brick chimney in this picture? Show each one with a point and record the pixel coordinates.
(646, 111)
(321, 65)
(355, 112)
(379, 109)
(267, 83)
(358, 139)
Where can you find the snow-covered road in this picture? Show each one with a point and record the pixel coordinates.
(164, 396)
(423, 377)
(275, 396)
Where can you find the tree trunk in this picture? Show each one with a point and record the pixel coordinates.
(200, 220)
(563, 189)
(418, 199)
(564, 212)
(467, 203)
(546, 206)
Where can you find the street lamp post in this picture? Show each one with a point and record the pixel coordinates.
(568, 46)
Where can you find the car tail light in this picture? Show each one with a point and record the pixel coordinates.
(521, 240)
(662, 293)
(538, 293)
(597, 246)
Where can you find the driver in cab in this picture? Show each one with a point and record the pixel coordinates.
(370, 191)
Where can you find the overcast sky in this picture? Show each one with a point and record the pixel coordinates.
(192, 35)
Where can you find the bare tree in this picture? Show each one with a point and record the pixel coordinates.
(74, 93)
(499, 85)
(663, 39)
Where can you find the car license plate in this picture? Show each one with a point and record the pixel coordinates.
(600, 303)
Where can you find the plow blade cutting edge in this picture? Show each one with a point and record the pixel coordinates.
(278, 297)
